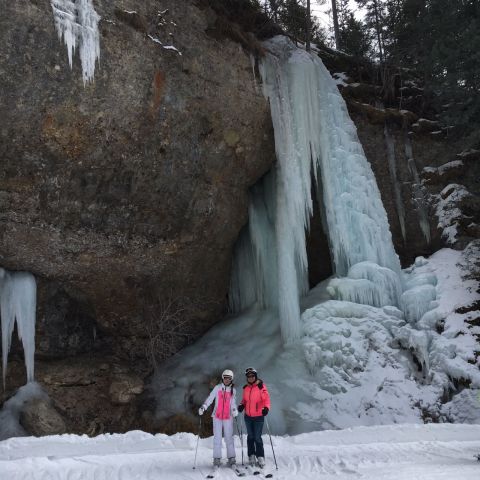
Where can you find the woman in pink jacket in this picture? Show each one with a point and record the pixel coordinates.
(256, 403)
(225, 409)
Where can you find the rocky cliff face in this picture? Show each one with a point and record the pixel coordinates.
(125, 196)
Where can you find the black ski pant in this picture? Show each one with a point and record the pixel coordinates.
(254, 435)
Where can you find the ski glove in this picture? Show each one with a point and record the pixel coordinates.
(241, 407)
(201, 410)
(265, 411)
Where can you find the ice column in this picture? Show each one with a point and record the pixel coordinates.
(18, 298)
(77, 22)
(314, 133)
(418, 192)
(392, 167)
(254, 272)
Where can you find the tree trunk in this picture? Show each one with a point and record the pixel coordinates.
(379, 34)
(336, 28)
(308, 28)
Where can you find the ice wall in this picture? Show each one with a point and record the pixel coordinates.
(392, 167)
(419, 197)
(313, 134)
(76, 22)
(18, 298)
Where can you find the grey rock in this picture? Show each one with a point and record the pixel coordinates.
(40, 418)
(124, 388)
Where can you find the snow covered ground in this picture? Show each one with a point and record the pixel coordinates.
(400, 452)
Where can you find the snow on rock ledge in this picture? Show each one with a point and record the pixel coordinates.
(77, 22)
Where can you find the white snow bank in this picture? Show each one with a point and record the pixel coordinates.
(448, 210)
(399, 452)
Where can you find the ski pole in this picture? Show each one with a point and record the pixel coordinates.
(240, 434)
(198, 438)
(271, 443)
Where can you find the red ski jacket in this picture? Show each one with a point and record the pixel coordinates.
(255, 397)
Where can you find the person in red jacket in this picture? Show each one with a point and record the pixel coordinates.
(256, 403)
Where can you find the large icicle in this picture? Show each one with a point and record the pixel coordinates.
(77, 22)
(18, 299)
(310, 116)
(418, 192)
(313, 133)
(254, 278)
(392, 167)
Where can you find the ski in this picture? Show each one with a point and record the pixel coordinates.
(237, 471)
(213, 473)
(262, 474)
(252, 470)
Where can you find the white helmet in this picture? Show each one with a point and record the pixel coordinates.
(227, 373)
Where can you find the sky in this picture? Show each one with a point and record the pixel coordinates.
(322, 11)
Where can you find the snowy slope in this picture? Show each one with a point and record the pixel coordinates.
(401, 452)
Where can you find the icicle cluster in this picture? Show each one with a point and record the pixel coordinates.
(18, 298)
(314, 133)
(77, 23)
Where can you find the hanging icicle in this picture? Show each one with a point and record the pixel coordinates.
(76, 22)
(18, 300)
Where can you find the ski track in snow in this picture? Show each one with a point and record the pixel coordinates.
(393, 452)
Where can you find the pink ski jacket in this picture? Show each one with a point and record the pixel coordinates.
(255, 397)
(225, 402)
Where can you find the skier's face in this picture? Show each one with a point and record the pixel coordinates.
(250, 378)
(227, 380)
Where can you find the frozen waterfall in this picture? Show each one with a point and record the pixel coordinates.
(18, 299)
(77, 22)
(313, 135)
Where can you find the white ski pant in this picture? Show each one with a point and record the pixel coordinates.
(227, 427)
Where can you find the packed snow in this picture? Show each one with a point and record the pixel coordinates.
(76, 22)
(400, 452)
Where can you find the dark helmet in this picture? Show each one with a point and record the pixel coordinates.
(249, 371)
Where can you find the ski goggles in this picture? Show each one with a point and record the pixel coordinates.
(250, 372)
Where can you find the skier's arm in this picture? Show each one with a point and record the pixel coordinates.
(265, 397)
(210, 398)
(233, 403)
